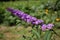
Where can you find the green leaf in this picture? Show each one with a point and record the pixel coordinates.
(36, 33)
(48, 35)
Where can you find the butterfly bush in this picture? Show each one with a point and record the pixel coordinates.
(30, 19)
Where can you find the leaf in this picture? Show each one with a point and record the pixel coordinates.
(36, 33)
(48, 35)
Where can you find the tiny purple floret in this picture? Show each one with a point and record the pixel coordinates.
(43, 27)
(50, 26)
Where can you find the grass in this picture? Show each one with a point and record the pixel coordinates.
(16, 33)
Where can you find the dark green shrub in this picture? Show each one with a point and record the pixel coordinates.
(1, 15)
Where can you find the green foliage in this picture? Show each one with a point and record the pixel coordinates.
(1, 15)
(1, 35)
(33, 8)
(37, 10)
(48, 35)
(37, 34)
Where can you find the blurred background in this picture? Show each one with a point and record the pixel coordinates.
(12, 28)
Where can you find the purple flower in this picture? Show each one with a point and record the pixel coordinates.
(10, 9)
(33, 19)
(38, 22)
(30, 19)
(43, 27)
(49, 26)
(24, 16)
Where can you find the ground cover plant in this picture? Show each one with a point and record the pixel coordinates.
(30, 20)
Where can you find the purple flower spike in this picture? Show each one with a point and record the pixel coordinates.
(43, 27)
(30, 19)
(49, 26)
(25, 17)
(10, 9)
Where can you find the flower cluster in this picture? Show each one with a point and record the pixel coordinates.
(30, 19)
(48, 26)
(25, 17)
